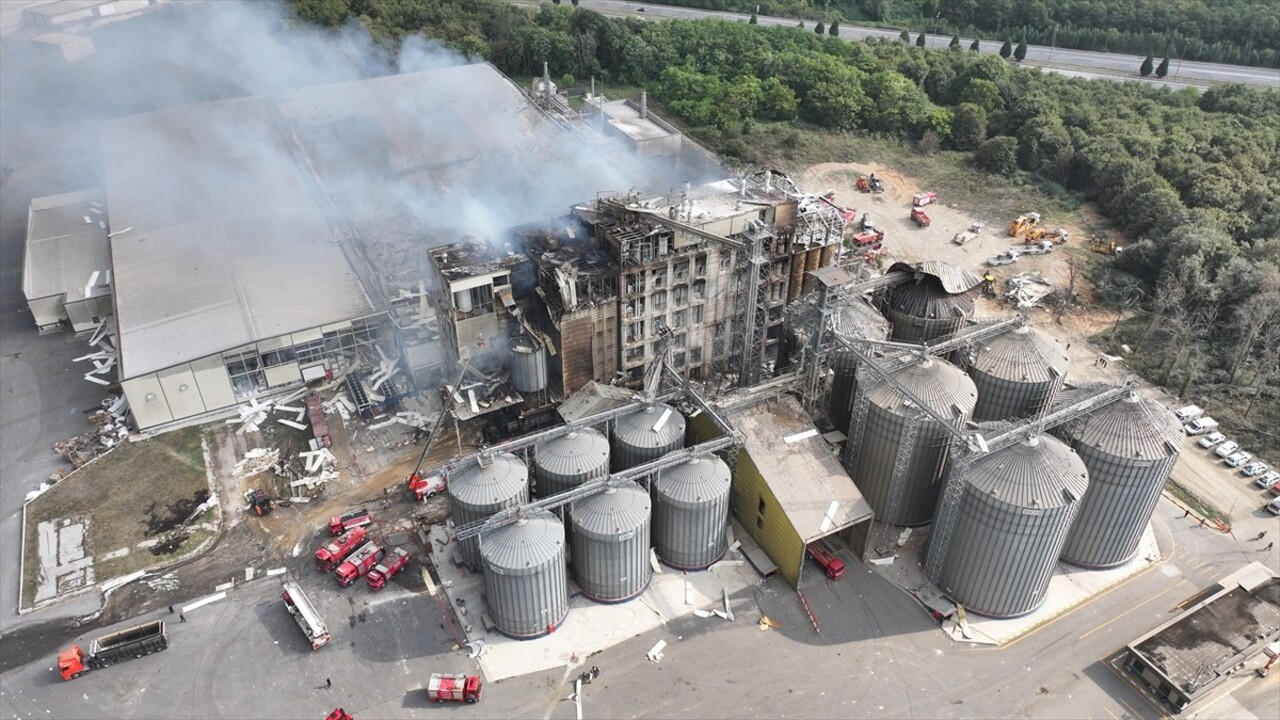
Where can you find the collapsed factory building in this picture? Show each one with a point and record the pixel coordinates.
(648, 366)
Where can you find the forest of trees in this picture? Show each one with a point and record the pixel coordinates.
(1193, 180)
(1238, 32)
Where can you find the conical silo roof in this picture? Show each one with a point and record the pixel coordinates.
(530, 542)
(927, 298)
(614, 511)
(697, 481)
(503, 478)
(938, 383)
(1039, 473)
(636, 429)
(1024, 355)
(577, 452)
(1136, 427)
(856, 318)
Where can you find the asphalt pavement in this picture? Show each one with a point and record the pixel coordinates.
(1076, 63)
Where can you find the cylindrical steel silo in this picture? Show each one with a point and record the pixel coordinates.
(611, 543)
(1013, 511)
(896, 452)
(691, 513)
(565, 462)
(923, 310)
(1130, 448)
(526, 587)
(858, 319)
(796, 281)
(528, 364)
(479, 491)
(638, 437)
(1017, 374)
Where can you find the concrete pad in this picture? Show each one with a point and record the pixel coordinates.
(64, 567)
(590, 627)
(1070, 587)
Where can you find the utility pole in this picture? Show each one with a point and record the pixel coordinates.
(1053, 43)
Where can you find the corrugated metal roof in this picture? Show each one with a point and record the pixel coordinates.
(954, 279)
(62, 250)
(1023, 355)
(935, 381)
(1038, 473)
(1136, 427)
(225, 244)
(614, 511)
(577, 452)
(856, 318)
(529, 542)
(926, 298)
(636, 429)
(592, 399)
(501, 480)
(698, 480)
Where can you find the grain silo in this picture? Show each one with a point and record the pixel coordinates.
(1130, 448)
(937, 302)
(526, 587)
(1010, 521)
(857, 319)
(895, 449)
(483, 489)
(611, 543)
(1017, 374)
(691, 512)
(646, 434)
(565, 462)
(528, 364)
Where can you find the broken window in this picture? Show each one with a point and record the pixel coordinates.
(245, 372)
(697, 314)
(677, 360)
(660, 277)
(695, 355)
(677, 319)
(775, 292)
(700, 266)
(635, 353)
(699, 290)
(635, 331)
(680, 295)
(636, 282)
(681, 270)
(726, 261)
(659, 301)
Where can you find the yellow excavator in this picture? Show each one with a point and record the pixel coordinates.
(1023, 224)
(1103, 246)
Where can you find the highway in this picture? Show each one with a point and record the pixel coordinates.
(1075, 63)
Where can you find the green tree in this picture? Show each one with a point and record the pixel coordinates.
(819, 29)
(575, 2)
(472, 46)
(1006, 49)
(975, 46)
(329, 13)
(754, 20)
(778, 101)
(955, 42)
(1147, 65)
(983, 93)
(920, 40)
(904, 36)
(1020, 53)
(998, 156)
(899, 106)
(834, 28)
(968, 127)
(1163, 68)
(557, 2)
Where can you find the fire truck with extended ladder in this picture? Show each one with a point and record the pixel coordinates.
(331, 555)
(300, 607)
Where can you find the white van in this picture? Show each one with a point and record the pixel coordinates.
(1201, 425)
(1273, 507)
(1188, 413)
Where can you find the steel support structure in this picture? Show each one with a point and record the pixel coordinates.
(756, 296)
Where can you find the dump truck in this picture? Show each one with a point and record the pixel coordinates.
(921, 217)
(1023, 224)
(300, 607)
(112, 648)
(387, 569)
(339, 524)
(924, 198)
(360, 562)
(454, 688)
(329, 556)
(821, 554)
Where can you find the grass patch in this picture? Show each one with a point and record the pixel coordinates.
(1198, 506)
(138, 491)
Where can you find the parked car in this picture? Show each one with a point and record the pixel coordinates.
(1237, 459)
(1201, 425)
(1188, 413)
(1254, 468)
(1273, 507)
(1005, 258)
(1213, 438)
(1267, 480)
(1227, 448)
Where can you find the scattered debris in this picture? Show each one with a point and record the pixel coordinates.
(655, 652)
(1027, 289)
(258, 460)
(766, 623)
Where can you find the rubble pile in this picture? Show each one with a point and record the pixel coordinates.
(1027, 289)
(108, 430)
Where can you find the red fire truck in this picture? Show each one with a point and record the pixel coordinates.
(832, 565)
(328, 557)
(454, 688)
(387, 569)
(360, 562)
(339, 524)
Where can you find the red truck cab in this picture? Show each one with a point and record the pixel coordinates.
(425, 487)
(359, 563)
(832, 565)
(72, 663)
(329, 556)
(387, 569)
(339, 524)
